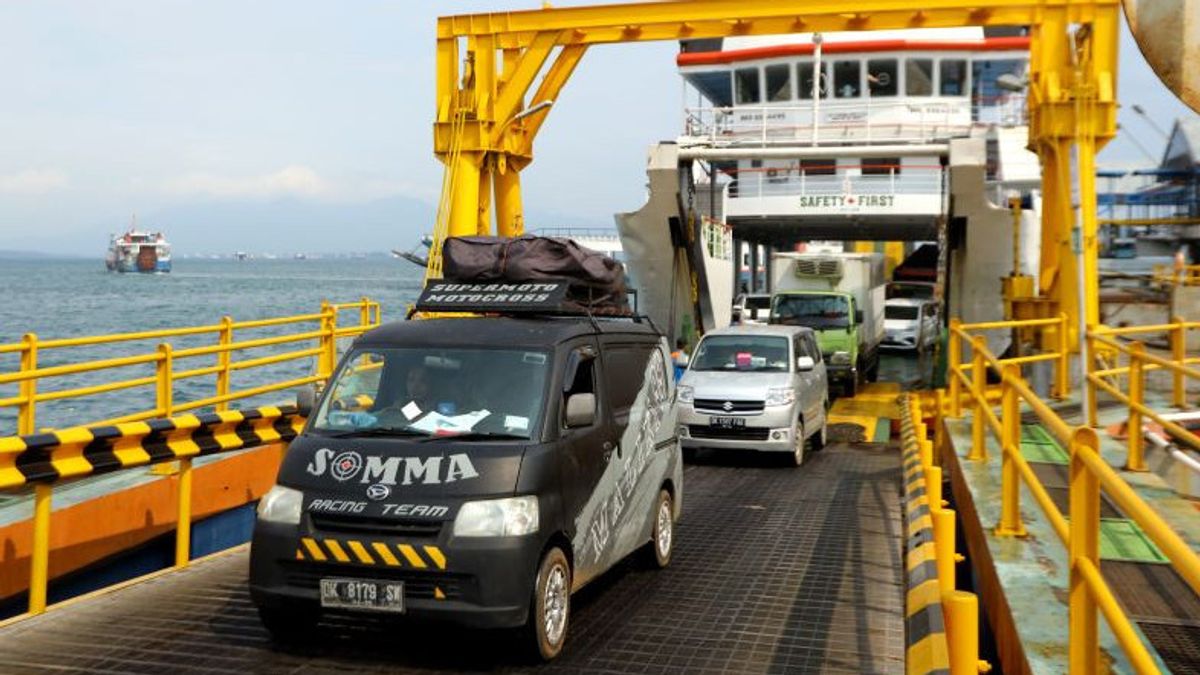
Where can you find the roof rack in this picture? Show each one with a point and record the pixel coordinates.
(546, 297)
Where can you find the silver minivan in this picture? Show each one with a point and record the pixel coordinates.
(755, 388)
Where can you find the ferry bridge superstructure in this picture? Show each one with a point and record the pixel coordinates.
(1002, 507)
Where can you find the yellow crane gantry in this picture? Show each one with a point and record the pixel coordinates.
(487, 118)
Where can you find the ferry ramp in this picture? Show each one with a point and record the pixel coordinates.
(777, 569)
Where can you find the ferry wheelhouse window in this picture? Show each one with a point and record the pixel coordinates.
(818, 167)
(918, 77)
(952, 77)
(804, 78)
(847, 79)
(881, 166)
(882, 79)
(746, 85)
(779, 82)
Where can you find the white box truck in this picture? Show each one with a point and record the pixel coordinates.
(840, 296)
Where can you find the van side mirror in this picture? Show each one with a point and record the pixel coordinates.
(305, 400)
(805, 364)
(858, 316)
(581, 410)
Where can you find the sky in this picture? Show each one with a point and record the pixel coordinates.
(235, 125)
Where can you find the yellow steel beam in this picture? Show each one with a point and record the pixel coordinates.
(1072, 102)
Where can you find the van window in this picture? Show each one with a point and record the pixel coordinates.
(624, 372)
(431, 391)
(779, 82)
(882, 79)
(746, 86)
(918, 77)
(953, 77)
(761, 353)
(847, 79)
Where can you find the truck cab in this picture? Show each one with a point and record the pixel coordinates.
(836, 320)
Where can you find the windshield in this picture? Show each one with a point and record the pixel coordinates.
(427, 391)
(758, 353)
(903, 312)
(816, 311)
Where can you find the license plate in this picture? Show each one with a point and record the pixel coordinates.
(383, 596)
(727, 422)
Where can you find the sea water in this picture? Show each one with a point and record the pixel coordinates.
(73, 298)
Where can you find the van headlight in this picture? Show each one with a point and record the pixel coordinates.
(685, 393)
(509, 517)
(839, 359)
(780, 395)
(281, 505)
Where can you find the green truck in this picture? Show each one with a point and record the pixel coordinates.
(840, 296)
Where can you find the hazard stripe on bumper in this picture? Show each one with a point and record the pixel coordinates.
(369, 552)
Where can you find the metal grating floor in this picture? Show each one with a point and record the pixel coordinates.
(1179, 646)
(777, 570)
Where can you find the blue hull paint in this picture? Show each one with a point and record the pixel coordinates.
(216, 533)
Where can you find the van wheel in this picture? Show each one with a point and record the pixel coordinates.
(798, 444)
(662, 534)
(550, 610)
(288, 625)
(850, 387)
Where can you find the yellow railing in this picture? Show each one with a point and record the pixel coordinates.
(1177, 275)
(1104, 345)
(323, 337)
(1089, 593)
(320, 330)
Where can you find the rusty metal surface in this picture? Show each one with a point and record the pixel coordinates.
(778, 569)
(1168, 34)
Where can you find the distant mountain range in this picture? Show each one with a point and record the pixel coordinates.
(6, 254)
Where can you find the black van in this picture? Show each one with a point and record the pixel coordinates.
(477, 470)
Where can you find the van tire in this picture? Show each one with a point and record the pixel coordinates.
(288, 625)
(551, 596)
(850, 387)
(662, 531)
(799, 444)
(820, 438)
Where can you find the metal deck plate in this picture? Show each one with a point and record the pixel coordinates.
(1037, 445)
(777, 569)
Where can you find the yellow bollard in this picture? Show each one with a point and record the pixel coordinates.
(39, 560)
(943, 534)
(962, 632)
(933, 486)
(979, 400)
(939, 426)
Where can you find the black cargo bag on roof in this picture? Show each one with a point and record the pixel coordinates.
(597, 282)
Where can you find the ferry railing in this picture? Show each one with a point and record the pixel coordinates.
(833, 179)
(1177, 275)
(1089, 594)
(323, 336)
(64, 449)
(1108, 351)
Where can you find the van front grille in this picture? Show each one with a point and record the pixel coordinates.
(351, 524)
(722, 406)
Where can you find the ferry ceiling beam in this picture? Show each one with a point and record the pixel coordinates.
(487, 120)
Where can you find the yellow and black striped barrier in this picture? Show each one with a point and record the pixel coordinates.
(366, 552)
(73, 453)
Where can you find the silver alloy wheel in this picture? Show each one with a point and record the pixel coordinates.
(663, 541)
(554, 604)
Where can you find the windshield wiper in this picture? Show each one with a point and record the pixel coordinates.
(374, 431)
(474, 436)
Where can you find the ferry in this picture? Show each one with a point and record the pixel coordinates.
(904, 136)
(138, 251)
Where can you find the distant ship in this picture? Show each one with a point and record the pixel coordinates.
(137, 251)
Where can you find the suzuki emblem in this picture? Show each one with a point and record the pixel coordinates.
(728, 406)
